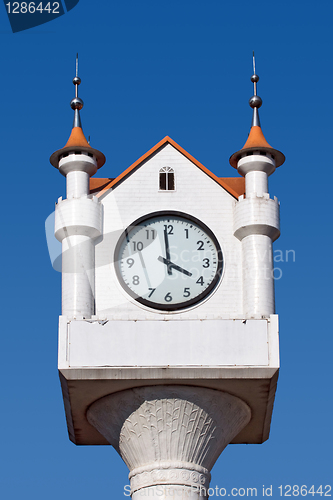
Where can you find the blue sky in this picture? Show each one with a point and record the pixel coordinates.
(150, 69)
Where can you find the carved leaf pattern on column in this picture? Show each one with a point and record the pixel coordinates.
(169, 423)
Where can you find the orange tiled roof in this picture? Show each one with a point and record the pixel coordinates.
(235, 183)
(97, 184)
(234, 186)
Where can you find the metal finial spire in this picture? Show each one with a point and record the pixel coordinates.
(255, 101)
(77, 103)
(254, 80)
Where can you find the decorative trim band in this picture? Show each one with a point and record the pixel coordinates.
(171, 473)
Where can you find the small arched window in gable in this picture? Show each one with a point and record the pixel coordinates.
(167, 179)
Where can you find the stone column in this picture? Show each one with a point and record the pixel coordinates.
(169, 436)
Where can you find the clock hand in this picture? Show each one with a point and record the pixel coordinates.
(144, 268)
(167, 249)
(174, 266)
(180, 269)
(167, 263)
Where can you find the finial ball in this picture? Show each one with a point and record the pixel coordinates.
(255, 101)
(76, 80)
(254, 78)
(76, 103)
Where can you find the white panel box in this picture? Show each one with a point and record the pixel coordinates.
(97, 358)
(168, 343)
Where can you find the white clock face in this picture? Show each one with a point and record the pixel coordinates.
(168, 261)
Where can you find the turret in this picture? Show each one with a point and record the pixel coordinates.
(78, 218)
(257, 222)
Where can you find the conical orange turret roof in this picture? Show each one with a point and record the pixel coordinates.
(77, 138)
(77, 142)
(256, 140)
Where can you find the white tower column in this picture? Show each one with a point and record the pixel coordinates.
(169, 436)
(257, 225)
(78, 219)
(78, 276)
(77, 184)
(256, 216)
(78, 222)
(256, 182)
(258, 280)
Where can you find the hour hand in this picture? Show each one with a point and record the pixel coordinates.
(174, 266)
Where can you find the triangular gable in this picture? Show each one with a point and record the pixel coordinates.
(235, 186)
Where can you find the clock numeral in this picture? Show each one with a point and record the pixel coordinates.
(152, 291)
(150, 232)
(186, 233)
(207, 263)
(201, 245)
(136, 280)
(200, 281)
(168, 229)
(137, 246)
(168, 297)
(130, 262)
(187, 292)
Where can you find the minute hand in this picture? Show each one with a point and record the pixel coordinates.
(171, 265)
(167, 249)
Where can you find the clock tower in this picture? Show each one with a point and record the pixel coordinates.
(168, 338)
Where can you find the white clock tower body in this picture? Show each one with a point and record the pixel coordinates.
(168, 338)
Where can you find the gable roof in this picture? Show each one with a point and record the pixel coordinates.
(235, 186)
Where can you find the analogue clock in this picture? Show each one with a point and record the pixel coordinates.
(168, 260)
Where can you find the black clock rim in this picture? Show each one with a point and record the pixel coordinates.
(182, 305)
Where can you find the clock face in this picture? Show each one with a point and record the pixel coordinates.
(168, 261)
